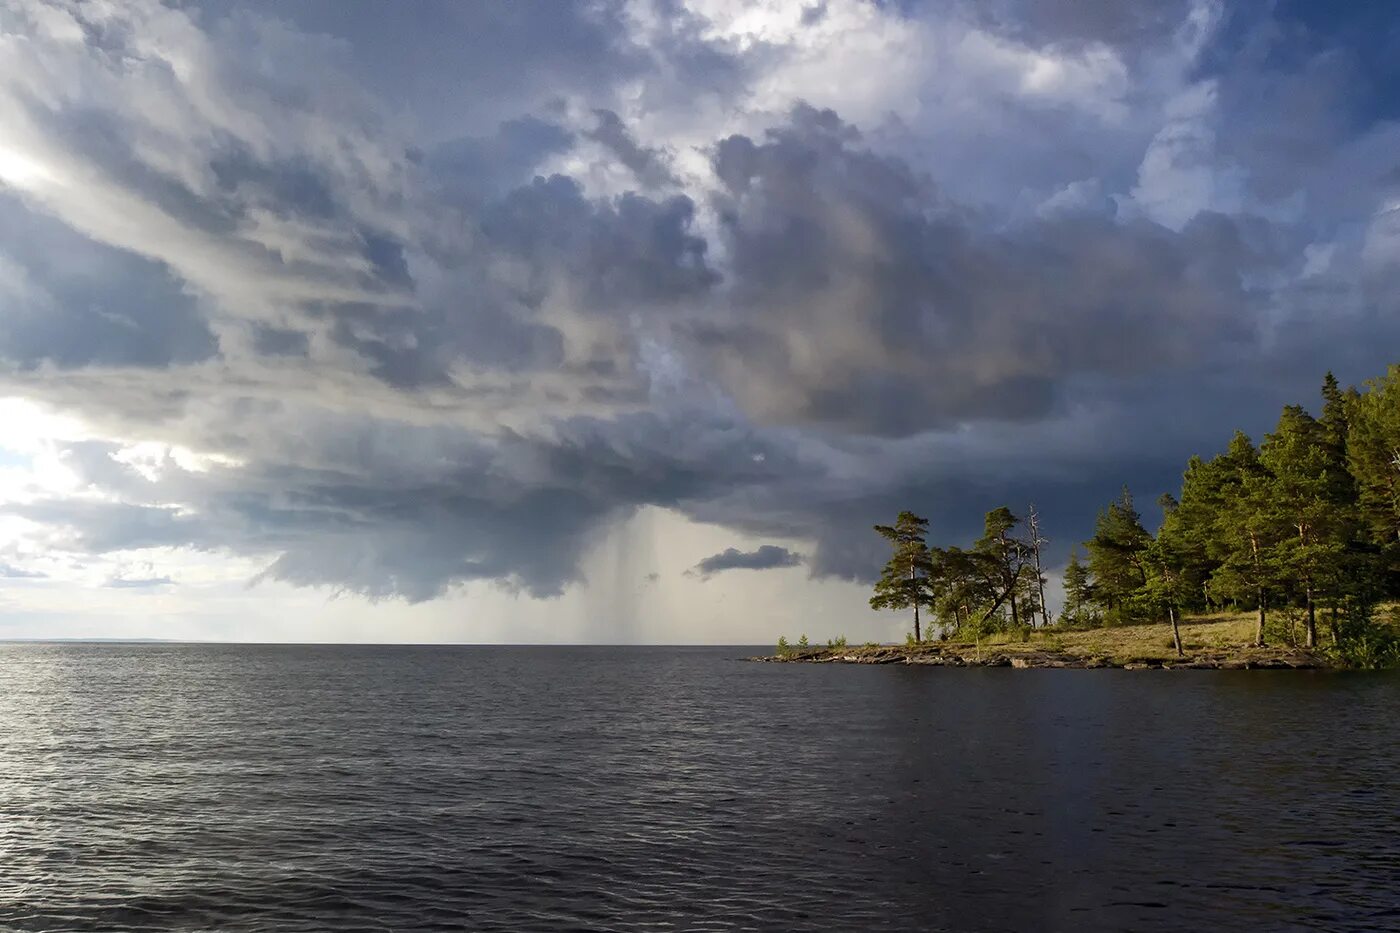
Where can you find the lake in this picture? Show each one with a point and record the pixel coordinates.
(190, 787)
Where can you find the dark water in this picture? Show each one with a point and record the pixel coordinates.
(311, 788)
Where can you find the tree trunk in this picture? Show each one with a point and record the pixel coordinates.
(1310, 630)
(1259, 629)
(1312, 620)
(918, 636)
(1176, 632)
(1033, 518)
(1258, 570)
(1332, 622)
(992, 611)
(1015, 619)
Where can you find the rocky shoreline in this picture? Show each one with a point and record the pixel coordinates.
(1007, 656)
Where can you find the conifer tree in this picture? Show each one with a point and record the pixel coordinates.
(1079, 594)
(1245, 531)
(1193, 520)
(1117, 556)
(907, 578)
(1373, 450)
(1001, 550)
(1168, 556)
(1335, 416)
(1309, 494)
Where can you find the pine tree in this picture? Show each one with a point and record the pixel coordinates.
(1001, 550)
(1373, 450)
(1170, 553)
(1193, 521)
(1335, 416)
(1079, 593)
(1117, 556)
(907, 578)
(1245, 531)
(1310, 496)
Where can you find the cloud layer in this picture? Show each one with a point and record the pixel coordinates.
(391, 307)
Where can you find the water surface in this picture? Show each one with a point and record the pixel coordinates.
(193, 787)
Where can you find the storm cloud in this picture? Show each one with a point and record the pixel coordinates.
(764, 557)
(388, 308)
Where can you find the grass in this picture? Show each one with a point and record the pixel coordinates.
(1224, 639)
(1201, 636)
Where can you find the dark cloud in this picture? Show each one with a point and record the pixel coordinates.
(463, 64)
(103, 527)
(861, 298)
(516, 509)
(648, 164)
(475, 169)
(1041, 22)
(358, 268)
(71, 302)
(765, 557)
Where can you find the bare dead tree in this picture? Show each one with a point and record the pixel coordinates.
(1037, 542)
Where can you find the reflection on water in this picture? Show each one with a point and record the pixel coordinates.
(306, 788)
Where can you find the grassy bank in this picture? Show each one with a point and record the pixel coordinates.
(1216, 641)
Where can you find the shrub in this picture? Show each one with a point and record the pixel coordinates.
(838, 642)
(1367, 642)
(783, 647)
(802, 642)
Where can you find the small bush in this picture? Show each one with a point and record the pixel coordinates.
(802, 642)
(838, 642)
(783, 647)
(1367, 642)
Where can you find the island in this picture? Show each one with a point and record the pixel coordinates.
(1283, 554)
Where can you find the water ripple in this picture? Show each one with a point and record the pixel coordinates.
(152, 788)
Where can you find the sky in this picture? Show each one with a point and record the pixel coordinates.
(624, 320)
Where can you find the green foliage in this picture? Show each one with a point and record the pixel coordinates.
(802, 642)
(1311, 502)
(783, 647)
(1118, 559)
(1373, 453)
(1247, 531)
(1303, 530)
(906, 581)
(838, 642)
(1080, 606)
(999, 560)
(1367, 642)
